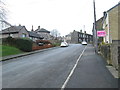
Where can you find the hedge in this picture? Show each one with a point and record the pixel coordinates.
(22, 44)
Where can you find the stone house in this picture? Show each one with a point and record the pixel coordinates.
(78, 37)
(43, 33)
(34, 36)
(99, 27)
(19, 32)
(68, 38)
(15, 32)
(111, 24)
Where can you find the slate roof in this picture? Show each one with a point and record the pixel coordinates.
(42, 30)
(12, 29)
(34, 34)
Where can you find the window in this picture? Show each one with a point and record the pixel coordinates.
(11, 35)
(23, 35)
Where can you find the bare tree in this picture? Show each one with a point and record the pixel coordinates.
(55, 33)
(3, 15)
(3, 10)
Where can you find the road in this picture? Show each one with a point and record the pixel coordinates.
(50, 69)
(47, 69)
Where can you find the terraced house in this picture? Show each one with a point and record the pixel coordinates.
(78, 37)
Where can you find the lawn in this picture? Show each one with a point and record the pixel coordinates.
(8, 50)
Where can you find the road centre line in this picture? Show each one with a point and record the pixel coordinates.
(72, 71)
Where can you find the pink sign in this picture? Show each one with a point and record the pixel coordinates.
(101, 33)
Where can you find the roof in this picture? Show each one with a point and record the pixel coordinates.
(113, 7)
(34, 34)
(105, 13)
(42, 30)
(12, 29)
(100, 19)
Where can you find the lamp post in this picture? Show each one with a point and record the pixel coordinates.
(95, 30)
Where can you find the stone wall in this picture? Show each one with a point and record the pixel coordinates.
(115, 53)
(111, 53)
(106, 53)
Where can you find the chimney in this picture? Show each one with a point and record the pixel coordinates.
(104, 13)
(85, 32)
(19, 24)
(81, 31)
(38, 27)
(32, 28)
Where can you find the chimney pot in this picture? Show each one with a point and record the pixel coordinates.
(38, 27)
(32, 28)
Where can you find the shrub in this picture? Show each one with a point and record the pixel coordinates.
(56, 44)
(8, 41)
(22, 44)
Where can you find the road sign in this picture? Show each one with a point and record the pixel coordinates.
(101, 33)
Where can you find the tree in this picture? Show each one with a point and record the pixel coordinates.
(3, 10)
(55, 33)
(3, 16)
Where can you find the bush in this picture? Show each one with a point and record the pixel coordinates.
(56, 44)
(22, 44)
(8, 41)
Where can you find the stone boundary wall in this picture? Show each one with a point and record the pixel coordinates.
(111, 53)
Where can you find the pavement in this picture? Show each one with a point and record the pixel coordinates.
(92, 71)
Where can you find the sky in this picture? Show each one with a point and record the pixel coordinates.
(62, 15)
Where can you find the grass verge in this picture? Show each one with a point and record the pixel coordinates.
(8, 50)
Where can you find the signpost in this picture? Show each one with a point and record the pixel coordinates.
(101, 33)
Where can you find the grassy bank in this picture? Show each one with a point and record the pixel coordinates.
(8, 50)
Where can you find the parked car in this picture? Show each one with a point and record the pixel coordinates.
(64, 44)
(84, 43)
(40, 44)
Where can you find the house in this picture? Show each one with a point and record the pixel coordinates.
(43, 33)
(78, 37)
(99, 27)
(19, 32)
(68, 38)
(111, 24)
(34, 36)
(15, 32)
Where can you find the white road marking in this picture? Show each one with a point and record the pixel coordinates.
(68, 78)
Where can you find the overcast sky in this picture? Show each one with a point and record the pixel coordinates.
(63, 15)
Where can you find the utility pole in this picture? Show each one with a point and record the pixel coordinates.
(84, 33)
(95, 30)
